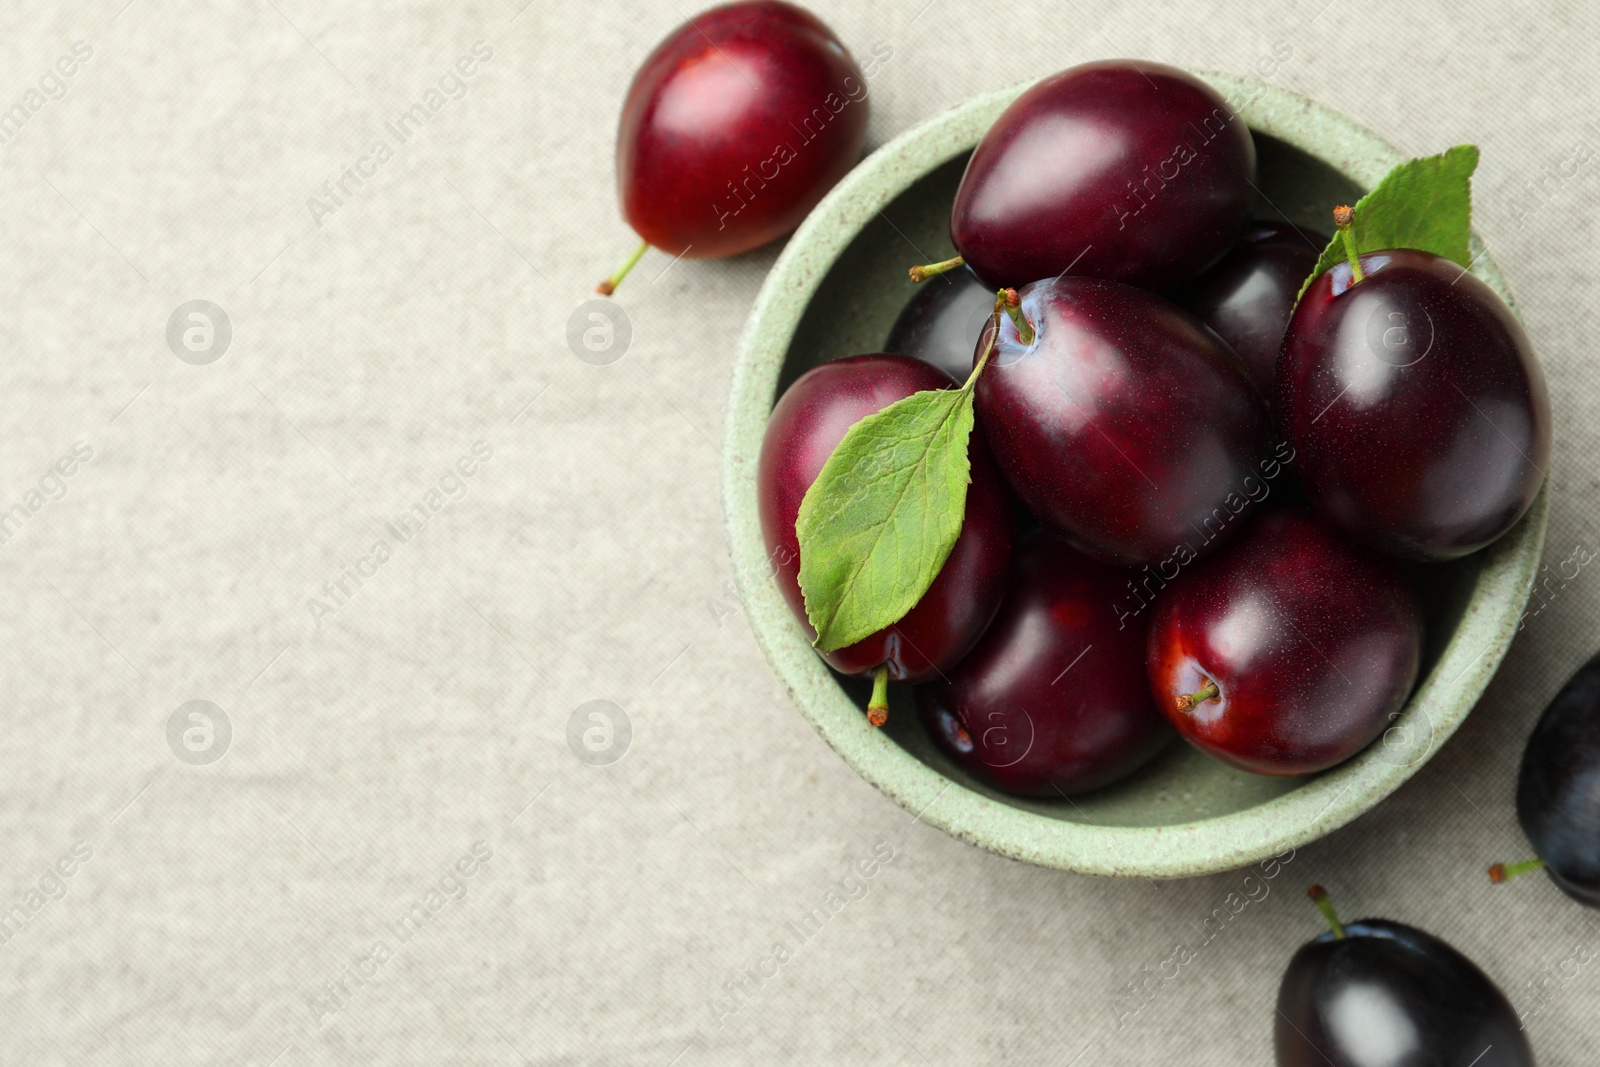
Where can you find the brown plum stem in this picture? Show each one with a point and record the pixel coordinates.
(1501, 873)
(1209, 691)
(878, 705)
(1013, 305)
(1319, 896)
(1342, 218)
(928, 270)
(609, 286)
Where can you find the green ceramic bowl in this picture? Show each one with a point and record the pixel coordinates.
(835, 291)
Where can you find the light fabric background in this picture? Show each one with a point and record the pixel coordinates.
(425, 714)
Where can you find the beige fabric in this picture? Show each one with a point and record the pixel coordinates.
(399, 859)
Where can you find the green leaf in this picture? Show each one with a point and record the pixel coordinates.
(1424, 203)
(878, 523)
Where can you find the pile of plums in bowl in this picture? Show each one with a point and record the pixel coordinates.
(1150, 456)
(1141, 462)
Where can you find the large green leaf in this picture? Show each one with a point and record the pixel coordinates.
(1424, 203)
(878, 523)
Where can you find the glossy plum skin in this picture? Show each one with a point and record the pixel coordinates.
(1558, 788)
(1052, 701)
(735, 126)
(942, 322)
(1390, 995)
(1417, 409)
(1248, 297)
(1126, 424)
(1132, 171)
(809, 421)
(1313, 643)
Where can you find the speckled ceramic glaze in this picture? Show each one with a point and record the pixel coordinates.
(835, 291)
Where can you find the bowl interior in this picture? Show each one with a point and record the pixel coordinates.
(836, 290)
(855, 305)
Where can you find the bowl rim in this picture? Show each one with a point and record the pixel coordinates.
(1436, 708)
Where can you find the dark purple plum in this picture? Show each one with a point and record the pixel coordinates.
(734, 127)
(1377, 993)
(1120, 169)
(1558, 789)
(943, 321)
(1122, 422)
(1248, 297)
(809, 421)
(1288, 651)
(1416, 407)
(1052, 701)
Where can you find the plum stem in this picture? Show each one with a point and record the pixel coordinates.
(1209, 691)
(988, 349)
(609, 286)
(1013, 305)
(1342, 218)
(1319, 896)
(930, 270)
(1501, 873)
(878, 704)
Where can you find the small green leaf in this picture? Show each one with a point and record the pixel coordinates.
(1424, 203)
(878, 523)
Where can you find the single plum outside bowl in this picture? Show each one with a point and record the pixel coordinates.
(835, 290)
